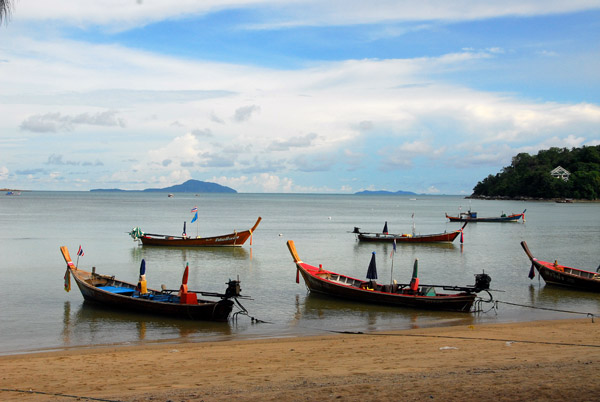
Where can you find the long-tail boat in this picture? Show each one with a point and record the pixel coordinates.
(412, 294)
(107, 291)
(446, 237)
(561, 275)
(472, 217)
(235, 239)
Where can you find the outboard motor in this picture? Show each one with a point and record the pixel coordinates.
(233, 289)
(482, 282)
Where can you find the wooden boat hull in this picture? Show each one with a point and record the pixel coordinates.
(92, 288)
(461, 303)
(235, 239)
(561, 275)
(389, 238)
(446, 237)
(507, 218)
(345, 287)
(229, 240)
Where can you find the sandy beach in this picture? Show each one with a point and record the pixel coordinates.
(509, 362)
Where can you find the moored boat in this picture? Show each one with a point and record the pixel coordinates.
(561, 275)
(235, 239)
(107, 291)
(472, 217)
(446, 237)
(413, 294)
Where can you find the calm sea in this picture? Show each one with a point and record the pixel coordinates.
(37, 314)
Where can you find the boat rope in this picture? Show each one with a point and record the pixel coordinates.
(244, 311)
(468, 338)
(89, 398)
(478, 308)
(591, 315)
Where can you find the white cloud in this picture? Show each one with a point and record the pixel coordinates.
(432, 190)
(293, 142)
(118, 15)
(54, 121)
(244, 113)
(257, 128)
(265, 183)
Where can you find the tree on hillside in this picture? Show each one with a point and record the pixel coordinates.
(5, 6)
(529, 176)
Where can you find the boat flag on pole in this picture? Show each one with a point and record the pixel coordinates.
(79, 253)
(195, 218)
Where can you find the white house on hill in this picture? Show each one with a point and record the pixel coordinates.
(560, 173)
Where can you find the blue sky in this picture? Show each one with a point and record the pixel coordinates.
(292, 96)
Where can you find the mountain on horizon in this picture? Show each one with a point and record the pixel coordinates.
(190, 186)
(384, 192)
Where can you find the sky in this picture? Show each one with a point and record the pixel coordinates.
(290, 96)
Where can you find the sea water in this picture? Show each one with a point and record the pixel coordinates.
(37, 314)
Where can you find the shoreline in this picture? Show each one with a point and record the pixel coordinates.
(510, 361)
(532, 199)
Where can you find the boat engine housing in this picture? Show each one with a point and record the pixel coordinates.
(482, 282)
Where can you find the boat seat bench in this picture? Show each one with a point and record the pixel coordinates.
(132, 292)
(116, 289)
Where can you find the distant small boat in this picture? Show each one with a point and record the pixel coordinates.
(109, 292)
(14, 193)
(472, 217)
(413, 294)
(235, 239)
(446, 237)
(170, 195)
(561, 275)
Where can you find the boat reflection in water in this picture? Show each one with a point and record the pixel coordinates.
(334, 313)
(185, 254)
(557, 297)
(93, 324)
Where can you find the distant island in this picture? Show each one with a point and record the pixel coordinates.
(190, 186)
(383, 192)
(555, 173)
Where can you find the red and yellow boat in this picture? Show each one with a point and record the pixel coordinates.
(234, 239)
(109, 292)
(412, 294)
(561, 275)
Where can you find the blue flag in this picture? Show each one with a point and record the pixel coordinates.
(195, 217)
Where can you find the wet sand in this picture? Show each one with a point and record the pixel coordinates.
(505, 362)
